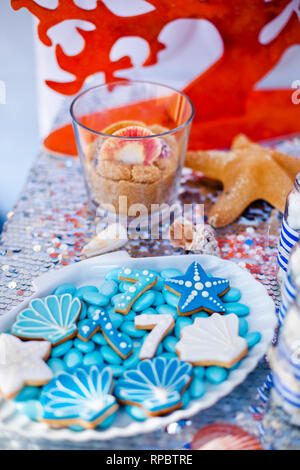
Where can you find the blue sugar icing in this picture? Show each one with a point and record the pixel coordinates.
(101, 319)
(113, 275)
(72, 396)
(144, 384)
(51, 318)
(197, 290)
(141, 281)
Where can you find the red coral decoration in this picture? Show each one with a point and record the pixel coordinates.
(224, 96)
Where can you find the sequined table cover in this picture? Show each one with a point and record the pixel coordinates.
(50, 224)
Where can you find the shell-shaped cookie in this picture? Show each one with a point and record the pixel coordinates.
(155, 385)
(80, 396)
(111, 238)
(52, 318)
(213, 340)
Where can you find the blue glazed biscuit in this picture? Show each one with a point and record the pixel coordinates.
(198, 291)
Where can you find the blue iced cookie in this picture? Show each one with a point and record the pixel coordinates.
(155, 385)
(101, 320)
(198, 291)
(80, 397)
(52, 318)
(141, 282)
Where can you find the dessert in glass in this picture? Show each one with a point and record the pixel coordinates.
(132, 139)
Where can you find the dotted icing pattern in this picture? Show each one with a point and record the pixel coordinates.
(101, 319)
(198, 291)
(92, 348)
(142, 281)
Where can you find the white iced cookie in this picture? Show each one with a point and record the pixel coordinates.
(22, 363)
(212, 341)
(160, 325)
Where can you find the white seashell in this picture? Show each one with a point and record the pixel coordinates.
(213, 340)
(198, 238)
(110, 239)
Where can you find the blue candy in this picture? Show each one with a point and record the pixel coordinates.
(73, 358)
(170, 298)
(110, 356)
(159, 299)
(92, 309)
(240, 310)
(28, 393)
(144, 301)
(83, 312)
(117, 370)
(95, 298)
(167, 273)
(197, 388)
(136, 413)
(199, 315)
(84, 290)
(133, 360)
(61, 349)
(168, 355)
(169, 343)
(98, 338)
(108, 288)
(116, 318)
(233, 295)
(65, 289)
(113, 275)
(84, 346)
(92, 358)
(56, 365)
(243, 327)
(128, 327)
(216, 375)
(252, 338)
(181, 323)
(167, 309)
(199, 372)
(148, 311)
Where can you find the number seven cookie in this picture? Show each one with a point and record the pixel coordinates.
(198, 291)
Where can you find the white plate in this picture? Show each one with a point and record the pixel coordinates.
(262, 318)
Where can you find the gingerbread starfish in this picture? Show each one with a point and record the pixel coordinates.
(248, 172)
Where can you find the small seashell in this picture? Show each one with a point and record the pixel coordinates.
(198, 238)
(110, 239)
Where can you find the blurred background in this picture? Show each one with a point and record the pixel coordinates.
(31, 106)
(19, 135)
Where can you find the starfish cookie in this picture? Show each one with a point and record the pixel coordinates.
(248, 172)
(22, 363)
(198, 291)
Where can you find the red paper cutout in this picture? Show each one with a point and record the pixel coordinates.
(223, 95)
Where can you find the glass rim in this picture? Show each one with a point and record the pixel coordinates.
(132, 82)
